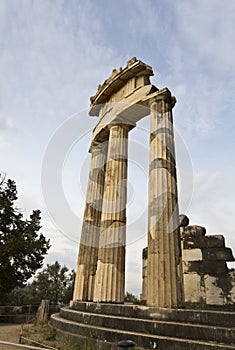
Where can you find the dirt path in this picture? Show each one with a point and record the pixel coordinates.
(10, 333)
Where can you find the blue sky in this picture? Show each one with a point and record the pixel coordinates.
(53, 56)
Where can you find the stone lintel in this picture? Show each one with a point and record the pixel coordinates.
(116, 81)
(120, 108)
(130, 110)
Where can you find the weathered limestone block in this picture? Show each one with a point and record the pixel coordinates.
(210, 290)
(195, 230)
(191, 254)
(194, 288)
(212, 241)
(205, 267)
(230, 292)
(224, 254)
(226, 286)
(214, 294)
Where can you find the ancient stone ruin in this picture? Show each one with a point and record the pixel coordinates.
(101, 261)
(182, 267)
(207, 279)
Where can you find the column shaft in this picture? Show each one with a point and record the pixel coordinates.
(164, 269)
(89, 242)
(110, 275)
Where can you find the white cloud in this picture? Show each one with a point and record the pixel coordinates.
(201, 62)
(48, 56)
(207, 28)
(212, 204)
(6, 131)
(149, 26)
(5, 124)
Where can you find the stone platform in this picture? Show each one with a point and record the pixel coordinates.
(149, 328)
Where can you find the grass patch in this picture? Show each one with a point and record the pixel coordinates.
(43, 333)
(40, 332)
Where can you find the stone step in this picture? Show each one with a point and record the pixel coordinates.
(206, 317)
(155, 327)
(89, 343)
(74, 331)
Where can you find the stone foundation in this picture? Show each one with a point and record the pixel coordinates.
(102, 326)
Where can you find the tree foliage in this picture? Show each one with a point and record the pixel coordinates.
(54, 283)
(131, 298)
(22, 246)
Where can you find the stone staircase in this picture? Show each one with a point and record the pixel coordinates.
(149, 328)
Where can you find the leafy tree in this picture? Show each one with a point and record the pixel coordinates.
(131, 298)
(54, 283)
(22, 246)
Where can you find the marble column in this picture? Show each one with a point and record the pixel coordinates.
(110, 275)
(89, 242)
(164, 269)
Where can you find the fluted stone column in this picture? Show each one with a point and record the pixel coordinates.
(89, 242)
(110, 275)
(164, 269)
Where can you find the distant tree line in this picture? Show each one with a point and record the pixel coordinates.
(131, 298)
(54, 283)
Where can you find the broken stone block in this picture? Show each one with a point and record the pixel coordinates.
(213, 268)
(194, 230)
(224, 254)
(184, 220)
(212, 241)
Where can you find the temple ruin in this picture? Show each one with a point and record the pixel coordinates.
(123, 99)
(183, 269)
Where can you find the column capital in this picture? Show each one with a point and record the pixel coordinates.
(163, 95)
(127, 127)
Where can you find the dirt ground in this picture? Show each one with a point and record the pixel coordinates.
(40, 333)
(9, 333)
